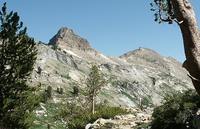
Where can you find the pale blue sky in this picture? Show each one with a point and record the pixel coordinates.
(111, 26)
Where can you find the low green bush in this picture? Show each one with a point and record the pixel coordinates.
(60, 90)
(46, 94)
(178, 112)
(107, 112)
(78, 119)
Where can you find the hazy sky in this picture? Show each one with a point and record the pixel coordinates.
(111, 26)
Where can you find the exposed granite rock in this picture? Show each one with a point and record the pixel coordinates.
(65, 38)
(128, 121)
(140, 77)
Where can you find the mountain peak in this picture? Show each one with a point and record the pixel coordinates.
(144, 55)
(141, 51)
(67, 39)
(64, 31)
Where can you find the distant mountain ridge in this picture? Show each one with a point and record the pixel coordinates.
(141, 74)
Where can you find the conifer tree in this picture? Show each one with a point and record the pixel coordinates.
(94, 83)
(182, 13)
(17, 57)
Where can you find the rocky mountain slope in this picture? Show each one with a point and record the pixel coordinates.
(138, 77)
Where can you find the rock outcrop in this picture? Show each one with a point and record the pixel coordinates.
(138, 78)
(128, 121)
(66, 38)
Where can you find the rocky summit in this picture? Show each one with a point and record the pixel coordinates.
(66, 39)
(139, 77)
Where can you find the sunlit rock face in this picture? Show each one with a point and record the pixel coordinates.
(140, 76)
(66, 38)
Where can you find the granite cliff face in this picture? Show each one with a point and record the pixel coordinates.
(67, 39)
(140, 76)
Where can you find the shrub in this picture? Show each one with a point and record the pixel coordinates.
(75, 91)
(59, 90)
(46, 94)
(178, 112)
(80, 121)
(79, 117)
(107, 112)
(49, 91)
(43, 97)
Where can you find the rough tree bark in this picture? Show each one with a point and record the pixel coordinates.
(93, 104)
(182, 12)
(187, 22)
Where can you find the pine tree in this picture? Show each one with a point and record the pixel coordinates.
(94, 83)
(182, 13)
(17, 57)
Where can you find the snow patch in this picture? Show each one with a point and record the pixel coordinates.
(105, 57)
(71, 53)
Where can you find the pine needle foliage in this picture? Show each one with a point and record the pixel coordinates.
(17, 57)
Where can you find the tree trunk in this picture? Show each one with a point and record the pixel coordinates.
(185, 15)
(93, 103)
